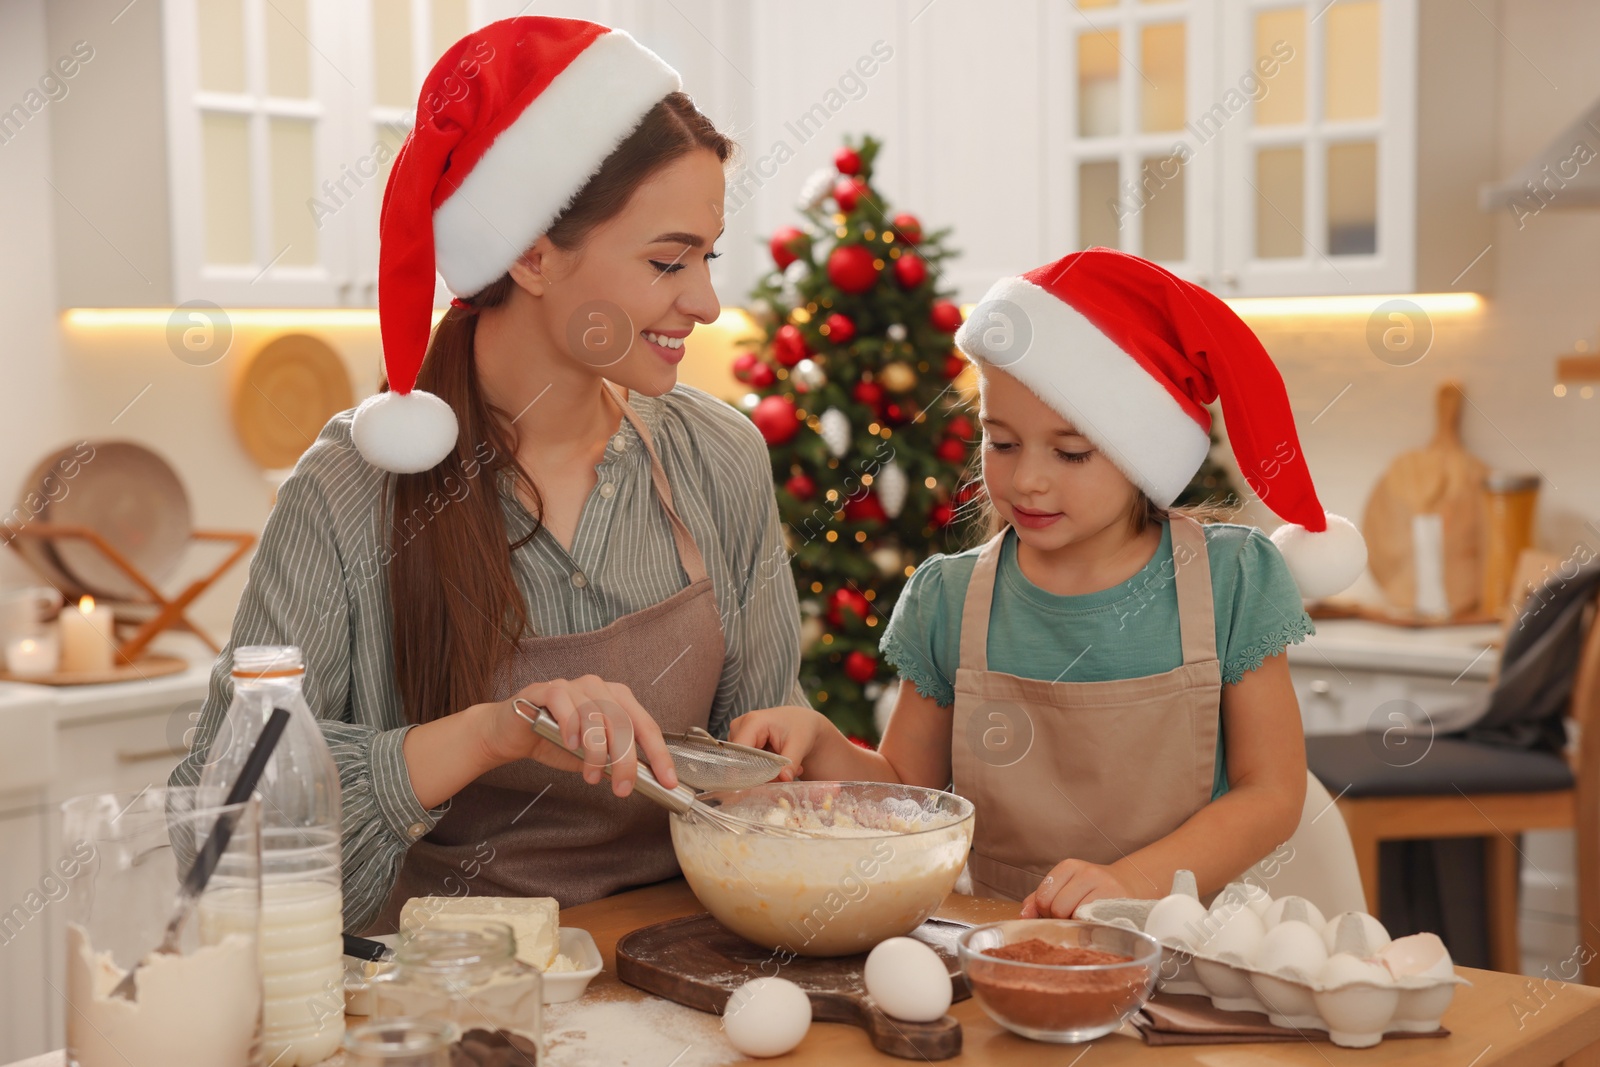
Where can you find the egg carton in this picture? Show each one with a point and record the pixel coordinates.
(1281, 958)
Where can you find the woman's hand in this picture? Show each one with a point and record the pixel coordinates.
(1069, 884)
(599, 718)
(788, 731)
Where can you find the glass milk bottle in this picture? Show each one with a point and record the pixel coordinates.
(302, 921)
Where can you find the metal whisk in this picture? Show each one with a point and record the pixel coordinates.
(681, 800)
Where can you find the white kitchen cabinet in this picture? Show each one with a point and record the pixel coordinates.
(1275, 147)
(24, 1017)
(250, 161)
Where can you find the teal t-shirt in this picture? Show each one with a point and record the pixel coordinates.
(1127, 631)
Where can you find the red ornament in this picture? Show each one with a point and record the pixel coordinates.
(865, 509)
(847, 193)
(762, 375)
(894, 413)
(801, 486)
(774, 417)
(951, 450)
(960, 426)
(841, 331)
(968, 491)
(844, 600)
(909, 227)
(861, 742)
(954, 364)
(786, 243)
(945, 316)
(860, 667)
(789, 345)
(910, 270)
(850, 267)
(942, 514)
(848, 160)
(868, 393)
(743, 364)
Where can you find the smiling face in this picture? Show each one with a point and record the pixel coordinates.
(623, 302)
(1042, 476)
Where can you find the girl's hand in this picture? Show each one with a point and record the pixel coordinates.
(599, 718)
(788, 731)
(1069, 884)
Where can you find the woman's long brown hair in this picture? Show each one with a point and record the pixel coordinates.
(456, 608)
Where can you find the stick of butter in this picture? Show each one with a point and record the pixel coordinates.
(533, 920)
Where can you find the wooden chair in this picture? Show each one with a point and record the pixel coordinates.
(1481, 791)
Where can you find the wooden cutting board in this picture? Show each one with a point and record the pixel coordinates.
(1441, 478)
(697, 962)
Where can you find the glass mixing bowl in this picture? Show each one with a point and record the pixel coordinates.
(891, 857)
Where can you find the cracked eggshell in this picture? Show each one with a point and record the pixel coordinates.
(1420, 955)
(1291, 949)
(1179, 919)
(1298, 908)
(1362, 934)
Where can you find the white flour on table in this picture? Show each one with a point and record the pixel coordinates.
(633, 1033)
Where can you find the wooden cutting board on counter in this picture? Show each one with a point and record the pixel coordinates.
(698, 962)
(1441, 478)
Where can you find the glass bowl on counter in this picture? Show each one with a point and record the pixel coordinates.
(887, 857)
(1059, 1001)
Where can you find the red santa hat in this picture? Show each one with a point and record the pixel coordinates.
(512, 122)
(1131, 354)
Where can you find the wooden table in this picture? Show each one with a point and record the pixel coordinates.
(1483, 1019)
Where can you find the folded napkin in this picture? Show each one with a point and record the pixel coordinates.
(1170, 1019)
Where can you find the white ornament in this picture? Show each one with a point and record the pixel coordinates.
(807, 376)
(404, 432)
(793, 275)
(887, 559)
(896, 331)
(883, 707)
(891, 485)
(815, 189)
(836, 431)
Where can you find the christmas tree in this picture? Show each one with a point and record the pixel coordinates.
(853, 386)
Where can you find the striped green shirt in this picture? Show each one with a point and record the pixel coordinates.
(318, 581)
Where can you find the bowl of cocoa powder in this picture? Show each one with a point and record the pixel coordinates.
(1059, 980)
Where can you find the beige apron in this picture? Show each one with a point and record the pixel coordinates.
(526, 829)
(1083, 770)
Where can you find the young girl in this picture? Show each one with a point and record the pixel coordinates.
(1104, 678)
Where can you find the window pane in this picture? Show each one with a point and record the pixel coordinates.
(1353, 198)
(1281, 48)
(225, 148)
(1161, 57)
(1161, 201)
(391, 54)
(1097, 204)
(449, 24)
(1280, 202)
(293, 186)
(1352, 64)
(288, 49)
(1099, 106)
(220, 26)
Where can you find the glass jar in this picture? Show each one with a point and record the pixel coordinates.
(466, 972)
(399, 1043)
(302, 922)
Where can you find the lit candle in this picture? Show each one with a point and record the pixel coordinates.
(87, 643)
(30, 657)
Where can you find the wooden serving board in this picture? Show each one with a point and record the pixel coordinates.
(698, 962)
(142, 669)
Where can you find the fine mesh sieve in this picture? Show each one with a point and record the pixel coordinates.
(705, 762)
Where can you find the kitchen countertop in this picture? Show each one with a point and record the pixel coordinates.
(1449, 651)
(1486, 1030)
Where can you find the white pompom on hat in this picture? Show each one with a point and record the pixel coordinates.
(1130, 355)
(512, 122)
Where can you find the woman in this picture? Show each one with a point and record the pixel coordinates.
(561, 523)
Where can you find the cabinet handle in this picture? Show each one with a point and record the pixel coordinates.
(145, 755)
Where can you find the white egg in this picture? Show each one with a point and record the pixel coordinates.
(1343, 969)
(1312, 915)
(1364, 935)
(1237, 930)
(767, 1017)
(1247, 892)
(1418, 954)
(908, 980)
(1291, 948)
(1179, 919)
